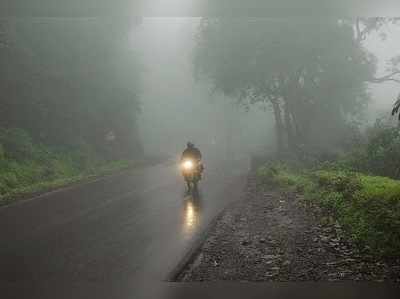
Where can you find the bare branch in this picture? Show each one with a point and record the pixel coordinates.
(360, 35)
(386, 78)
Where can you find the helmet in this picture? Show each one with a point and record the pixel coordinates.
(190, 145)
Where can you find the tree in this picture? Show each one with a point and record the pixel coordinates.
(364, 28)
(293, 66)
(71, 82)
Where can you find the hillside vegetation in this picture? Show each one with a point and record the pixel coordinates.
(27, 168)
(69, 101)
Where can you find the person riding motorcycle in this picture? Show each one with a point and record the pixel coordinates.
(193, 153)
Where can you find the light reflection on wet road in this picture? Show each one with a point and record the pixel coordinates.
(191, 214)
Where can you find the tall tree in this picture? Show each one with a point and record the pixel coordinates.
(312, 83)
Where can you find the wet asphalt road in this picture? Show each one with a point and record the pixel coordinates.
(111, 238)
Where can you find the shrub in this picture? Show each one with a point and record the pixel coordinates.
(26, 167)
(2, 152)
(343, 182)
(17, 144)
(9, 180)
(383, 151)
(380, 153)
(267, 173)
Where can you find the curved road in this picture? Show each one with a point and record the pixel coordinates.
(110, 238)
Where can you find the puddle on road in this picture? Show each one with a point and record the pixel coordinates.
(191, 215)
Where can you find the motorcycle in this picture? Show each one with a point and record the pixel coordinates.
(191, 172)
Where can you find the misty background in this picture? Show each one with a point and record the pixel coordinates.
(177, 107)
(307, 101)
(124, 88)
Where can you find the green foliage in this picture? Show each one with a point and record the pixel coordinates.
(2, 152)
(367, 206)
(383, 151)
(342, 182)
(279, 174)
(378, 155)
(17, 144)
(374, 214)
(27, 167)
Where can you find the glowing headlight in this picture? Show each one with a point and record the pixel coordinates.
(187, 165)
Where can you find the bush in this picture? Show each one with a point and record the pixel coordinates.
(343, 182)
(268, 173)
(379, 155)
(9, 180)
(2, 152)
(17, 144)
(383, 151)
(27, 167)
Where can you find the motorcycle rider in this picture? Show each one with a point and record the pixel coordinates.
(193, 153)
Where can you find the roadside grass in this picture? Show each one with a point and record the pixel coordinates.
(28, 168)
(19, 180)
(368, 207)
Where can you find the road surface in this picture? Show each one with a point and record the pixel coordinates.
(110, 238)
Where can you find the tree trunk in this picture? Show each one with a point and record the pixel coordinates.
(298, 131)
(289, 126)
(278, 126)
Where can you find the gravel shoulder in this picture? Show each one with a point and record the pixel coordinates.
(273, 235)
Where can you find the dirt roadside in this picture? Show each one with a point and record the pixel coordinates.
(273, 236)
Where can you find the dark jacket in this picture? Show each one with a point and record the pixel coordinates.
(191, 153)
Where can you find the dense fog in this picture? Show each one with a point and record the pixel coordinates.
(178, 108)
(293, 176)
(128, 87)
